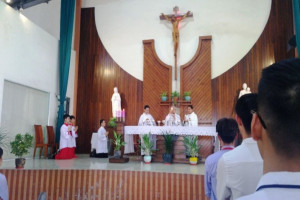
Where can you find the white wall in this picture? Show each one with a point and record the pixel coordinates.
(235, 26)
(29, 56)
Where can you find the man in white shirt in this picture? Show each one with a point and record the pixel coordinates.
(191, 118)
(276, 128)
(172, 119)
(3, 182)
(239, 170)
(146, 119)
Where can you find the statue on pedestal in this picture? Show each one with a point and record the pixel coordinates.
(116, 102)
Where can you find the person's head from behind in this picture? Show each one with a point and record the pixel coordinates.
(276, 125)
(244, 107)
(102, 123)
(147, 109)
(73, 119)
(227, 130)
(190, 109)
(1, 154)
(66, 118)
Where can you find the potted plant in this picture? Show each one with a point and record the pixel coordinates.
(118, 144)
(168, 155)
(147, 147)
(112, 122)
(192, 148)
(187, 96)
(175, 97)
(164, 96)
(20, 147)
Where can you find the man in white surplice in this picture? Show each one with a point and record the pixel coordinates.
(191, 118)
(146, 119)
(172, 119)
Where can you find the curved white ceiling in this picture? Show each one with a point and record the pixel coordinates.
(235, 26)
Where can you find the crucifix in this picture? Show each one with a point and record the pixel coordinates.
(175, 19)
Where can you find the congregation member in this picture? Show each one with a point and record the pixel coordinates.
(172, 119)
(227, 130)
(146, 119)
(191, 118)
(101, 150)
(239, 170)
(276, 128)
(74, 133)
(3, 181)
(65, 143)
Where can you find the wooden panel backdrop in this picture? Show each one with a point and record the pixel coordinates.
(157, 79)
(98, 75)
(195, 76)
(269, 48)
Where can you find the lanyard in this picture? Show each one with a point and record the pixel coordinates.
(278, 186)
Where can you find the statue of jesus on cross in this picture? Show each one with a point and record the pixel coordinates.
(175, 19)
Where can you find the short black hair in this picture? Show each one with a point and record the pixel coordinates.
(72, 117)
(243, 107)
(227, 128)
(101, 120)
(146, 106)
(279, 106)
(66, 116)
(191, 106)
(1, 152)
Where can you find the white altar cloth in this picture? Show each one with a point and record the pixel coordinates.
(176, 130)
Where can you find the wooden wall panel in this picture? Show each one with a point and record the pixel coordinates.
(98, 74)
(103, 184)
(157, 78)
(195, 76)
(269, 48)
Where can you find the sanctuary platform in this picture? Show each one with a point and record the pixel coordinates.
(96, 178)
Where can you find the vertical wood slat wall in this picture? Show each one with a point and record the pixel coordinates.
(95, 86)
(103, 184)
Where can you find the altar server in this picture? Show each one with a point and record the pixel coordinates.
(146, 119)
(74, 134)
(65, 143)
(101, 150)
(191, 118)
(172, 119)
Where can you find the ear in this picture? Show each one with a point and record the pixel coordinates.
(256, 128)
(238, 120)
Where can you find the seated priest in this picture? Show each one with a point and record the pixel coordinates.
(172, 119)
(146, 119)
(66, 143)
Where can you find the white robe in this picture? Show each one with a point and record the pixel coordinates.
(74, 136)
(147, 120)
(192, 119)
(172, 120)
(65, 137)
(101, 141)
(116, 104)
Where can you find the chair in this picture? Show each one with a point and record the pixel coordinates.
(39, 141)
(51, 139)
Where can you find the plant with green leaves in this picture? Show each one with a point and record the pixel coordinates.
(191, 145)
(21, 144)
(175, 94)
(168, 143)
(187, 94)
(112, 122)
(147, 145)
(118, 141)
(164, 94)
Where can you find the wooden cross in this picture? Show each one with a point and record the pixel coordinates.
(175, 19)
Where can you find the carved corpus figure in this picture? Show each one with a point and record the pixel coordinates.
(116, 102)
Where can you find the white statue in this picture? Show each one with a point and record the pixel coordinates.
(248, 90)
(116, 102)
(244, 90)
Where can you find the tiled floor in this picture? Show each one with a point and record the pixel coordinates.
(85, 162)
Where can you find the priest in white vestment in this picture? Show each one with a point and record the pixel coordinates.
(191, 118)
(172, 119)
(101, 149)
(146, 119)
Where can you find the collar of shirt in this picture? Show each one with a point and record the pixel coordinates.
(66, 124)
(280, 178)
(227, 147)
(249, 140)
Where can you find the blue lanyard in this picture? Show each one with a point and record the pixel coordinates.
(278, 186)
